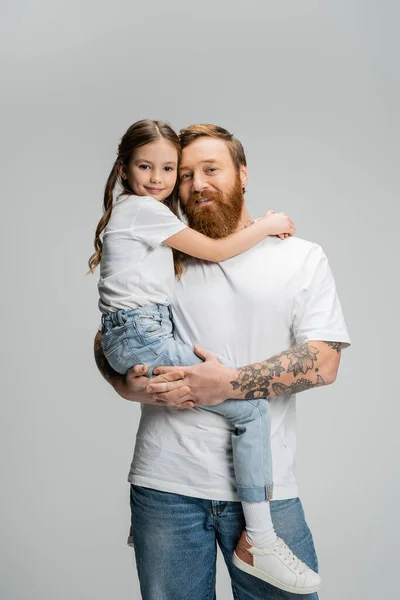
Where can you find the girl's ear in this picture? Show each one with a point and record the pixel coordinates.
(122, 171)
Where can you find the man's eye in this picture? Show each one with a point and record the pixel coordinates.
(185, 176)
(211, 169)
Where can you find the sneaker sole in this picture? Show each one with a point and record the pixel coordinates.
(240, 564)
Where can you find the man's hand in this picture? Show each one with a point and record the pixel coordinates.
(134, 388)
(205, 384)
(131, 386)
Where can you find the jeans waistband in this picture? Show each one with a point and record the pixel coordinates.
(120, 317)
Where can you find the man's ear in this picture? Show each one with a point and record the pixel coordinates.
(244, 176)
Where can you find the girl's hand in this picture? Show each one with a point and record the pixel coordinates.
(281, 225)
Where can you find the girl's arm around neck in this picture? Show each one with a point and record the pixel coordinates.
(200, 246)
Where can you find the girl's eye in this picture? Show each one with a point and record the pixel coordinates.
(169, 169)
(144, 166)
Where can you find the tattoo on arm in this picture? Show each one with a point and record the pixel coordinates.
(301, 358)
(335, 346)
(298, 386)
(102, 364)
(259, 380)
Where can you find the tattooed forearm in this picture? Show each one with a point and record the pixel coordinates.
(292, 371)
(335, 346)
(102, 364)
(298, 386)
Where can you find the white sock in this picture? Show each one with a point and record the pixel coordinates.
(259, 527)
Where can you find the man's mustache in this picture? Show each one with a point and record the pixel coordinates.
(202, 195)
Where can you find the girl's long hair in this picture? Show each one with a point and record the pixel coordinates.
(140, 133)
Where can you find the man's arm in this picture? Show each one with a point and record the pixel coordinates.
(299, 368)
(304, 366)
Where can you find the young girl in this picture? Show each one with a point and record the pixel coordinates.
(134, 241)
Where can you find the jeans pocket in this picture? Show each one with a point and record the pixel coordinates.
(120, 356)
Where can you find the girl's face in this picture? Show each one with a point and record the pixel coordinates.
(152, 170)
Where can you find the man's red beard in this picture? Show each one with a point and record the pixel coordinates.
(219, 218)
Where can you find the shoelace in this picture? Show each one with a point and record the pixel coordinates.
(289, 558)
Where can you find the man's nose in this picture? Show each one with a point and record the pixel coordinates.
(198, 183)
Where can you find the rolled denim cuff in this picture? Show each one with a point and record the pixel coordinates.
(255, 493)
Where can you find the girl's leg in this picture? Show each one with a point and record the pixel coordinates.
(251, 448)
(264, 555)
(251, 445)
(290, 525)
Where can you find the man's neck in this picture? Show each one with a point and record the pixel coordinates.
(245, 220)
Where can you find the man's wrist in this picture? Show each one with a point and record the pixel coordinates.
(234, 389)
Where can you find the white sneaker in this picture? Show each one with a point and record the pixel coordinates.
(277, 565)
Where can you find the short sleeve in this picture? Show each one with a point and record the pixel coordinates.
(317, 313)
(155, 222)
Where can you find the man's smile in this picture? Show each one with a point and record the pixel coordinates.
(203, 201)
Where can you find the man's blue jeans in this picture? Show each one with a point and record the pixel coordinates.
(145, 336)
(175, 539)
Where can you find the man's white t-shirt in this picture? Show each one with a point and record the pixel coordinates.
(247, 308)
(136, 268)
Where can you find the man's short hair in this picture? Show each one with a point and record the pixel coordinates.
(193, 132)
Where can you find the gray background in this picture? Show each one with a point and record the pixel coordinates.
(312, 90)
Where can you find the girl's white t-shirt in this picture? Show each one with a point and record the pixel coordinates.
(136, 268)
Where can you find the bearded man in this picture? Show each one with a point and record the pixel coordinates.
(273, 309)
